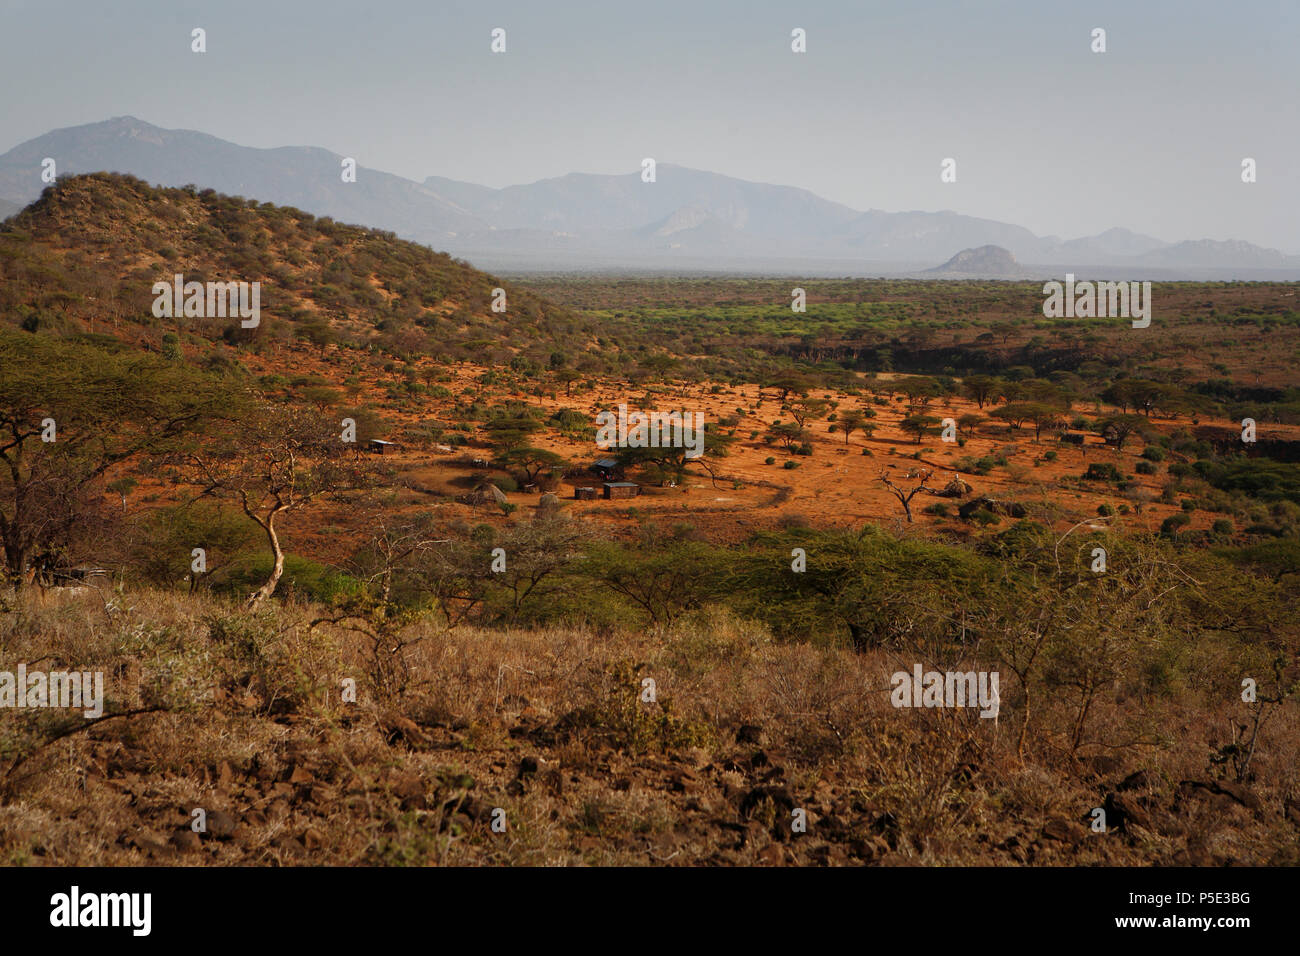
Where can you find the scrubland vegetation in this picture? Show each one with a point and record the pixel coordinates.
(375, 654)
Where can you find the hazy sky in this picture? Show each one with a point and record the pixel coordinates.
(1047, 134)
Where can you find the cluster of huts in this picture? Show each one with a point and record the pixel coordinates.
(612, 483)
(611, 475)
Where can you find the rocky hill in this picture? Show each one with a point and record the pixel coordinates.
(984, 261)
(85, 257)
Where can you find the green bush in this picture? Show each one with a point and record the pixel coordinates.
(302, 576)
(1101, 471)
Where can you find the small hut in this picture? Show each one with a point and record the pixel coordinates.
(957, 488)
(622, 489)
(607, 469)
(585, 494)
(485, 493)
(381, 447)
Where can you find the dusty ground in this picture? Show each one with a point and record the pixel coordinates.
(839, 485)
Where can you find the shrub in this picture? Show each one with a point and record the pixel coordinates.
(1146, 468)
(1101, 471)
(301, 576)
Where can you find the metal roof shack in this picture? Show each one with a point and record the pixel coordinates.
(622, 489)
(381, 447)
(607, 468)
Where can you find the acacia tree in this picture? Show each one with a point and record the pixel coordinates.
(808, 409)
(536, 555)
(669, 463)
(1044, 416)
(788, 434)
(920, 392)
(662, 576)
(1117, 429)
(1070, 634)
(279, 461)
(968, 423)
(68, 414)
(981, 388)
(511, 429)
(918, 426)
(567, 376)
(884, 590)
(531, 461)
(1014, 414)
(785, 384)
(855, 419)
(165, 539)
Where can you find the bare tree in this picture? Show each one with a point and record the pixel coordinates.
(279, 461)
(905, 495)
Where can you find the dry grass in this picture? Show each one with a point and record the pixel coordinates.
(245, 719)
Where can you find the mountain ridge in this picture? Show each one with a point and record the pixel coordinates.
(686, 216)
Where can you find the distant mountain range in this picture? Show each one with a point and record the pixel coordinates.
(686, 220)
